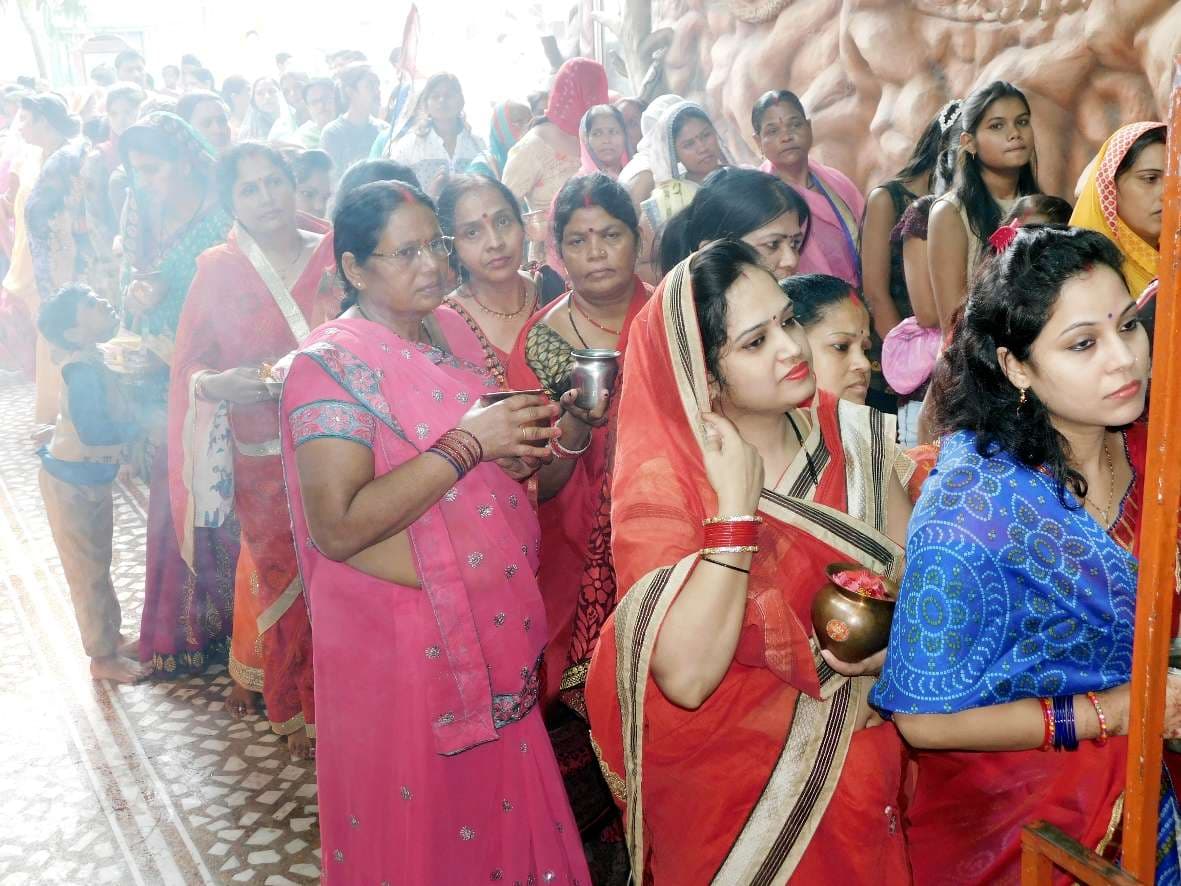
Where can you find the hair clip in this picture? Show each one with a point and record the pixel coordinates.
(949, 114)
(1004, 236)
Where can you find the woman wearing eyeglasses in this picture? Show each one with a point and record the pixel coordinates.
(418, 548)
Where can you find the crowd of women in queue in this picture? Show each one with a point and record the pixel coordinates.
(596, 651)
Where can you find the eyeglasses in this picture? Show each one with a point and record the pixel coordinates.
(440, 247)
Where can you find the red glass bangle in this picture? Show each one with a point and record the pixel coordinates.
(459, 450)
(720, 535)
(471, 440)
(1048, 718)
(561, 451)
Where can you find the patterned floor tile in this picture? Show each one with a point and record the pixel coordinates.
(145, 784)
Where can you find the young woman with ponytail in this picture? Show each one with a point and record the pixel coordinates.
(997, 165)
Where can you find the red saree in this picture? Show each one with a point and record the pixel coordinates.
(770, 779)
(433, 764)
(225, 456)
(577, 577)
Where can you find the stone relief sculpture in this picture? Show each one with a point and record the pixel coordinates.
(872, 72)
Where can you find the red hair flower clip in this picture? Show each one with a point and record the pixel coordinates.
(1003, 236)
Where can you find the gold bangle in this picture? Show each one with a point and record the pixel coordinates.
(1094, 700)
(740, 518)
(732, 549)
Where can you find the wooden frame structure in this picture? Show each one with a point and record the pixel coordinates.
(1045, 848)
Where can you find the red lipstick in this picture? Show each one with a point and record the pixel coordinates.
(1131, 389)
(799, 372)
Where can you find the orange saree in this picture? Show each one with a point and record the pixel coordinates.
(771, 780)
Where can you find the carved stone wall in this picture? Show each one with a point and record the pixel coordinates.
(871, 73)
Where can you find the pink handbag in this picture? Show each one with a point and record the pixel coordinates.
(908, 355)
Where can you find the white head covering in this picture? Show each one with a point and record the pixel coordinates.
(662, 152)
(648, 120)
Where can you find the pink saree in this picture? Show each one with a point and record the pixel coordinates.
(433, 764)
(833, 245)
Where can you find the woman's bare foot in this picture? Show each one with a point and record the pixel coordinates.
(128, 648)
(301, 745)
(118, 668)
(242, 702)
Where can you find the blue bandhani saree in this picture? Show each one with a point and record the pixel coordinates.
(1009, 594)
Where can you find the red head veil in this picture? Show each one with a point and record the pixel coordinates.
(580, 84)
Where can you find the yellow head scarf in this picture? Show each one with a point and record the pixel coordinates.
(1098, 205)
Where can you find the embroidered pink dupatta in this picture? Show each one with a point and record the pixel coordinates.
(833, 239)
(433, 764)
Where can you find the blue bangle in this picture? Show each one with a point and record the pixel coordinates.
(1065, 735)
(459, 472)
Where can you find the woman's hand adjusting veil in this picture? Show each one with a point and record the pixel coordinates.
(733, 466)
(700, 633)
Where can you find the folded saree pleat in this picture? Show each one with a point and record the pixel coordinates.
(245, 664)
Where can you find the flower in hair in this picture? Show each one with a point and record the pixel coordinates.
(1004, 236)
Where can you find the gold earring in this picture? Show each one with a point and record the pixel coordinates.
(1021, 402)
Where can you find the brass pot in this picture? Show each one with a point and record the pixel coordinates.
(850, 625)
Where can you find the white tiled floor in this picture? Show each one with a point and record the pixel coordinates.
(146, 784)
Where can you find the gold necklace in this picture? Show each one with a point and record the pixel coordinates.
(1106, 512)
(487, 310)
(588, 318)
(430, 339)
